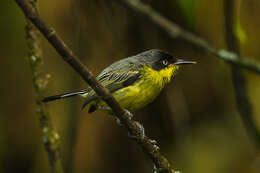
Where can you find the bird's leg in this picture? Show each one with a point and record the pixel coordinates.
(158, 170)
(116, 118)
(129, 116)
(154, 142)
(118, 121)
(140, 135)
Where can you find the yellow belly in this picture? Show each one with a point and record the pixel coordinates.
(134, 97)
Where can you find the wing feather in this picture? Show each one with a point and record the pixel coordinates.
(114, 80)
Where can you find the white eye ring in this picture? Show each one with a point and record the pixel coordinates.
(165, 62)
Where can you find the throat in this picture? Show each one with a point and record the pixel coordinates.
(159, 78)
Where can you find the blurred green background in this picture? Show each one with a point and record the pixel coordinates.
(194, 120)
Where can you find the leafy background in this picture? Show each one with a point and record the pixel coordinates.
(194, 119)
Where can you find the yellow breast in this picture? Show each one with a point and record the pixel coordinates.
(161, 77)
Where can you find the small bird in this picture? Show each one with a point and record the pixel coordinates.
(134, 81)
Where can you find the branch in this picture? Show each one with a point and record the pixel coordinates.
(50, 137)
(175, 31)
(243, 104)
(148, 145)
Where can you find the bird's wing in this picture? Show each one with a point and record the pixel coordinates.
(114, 80)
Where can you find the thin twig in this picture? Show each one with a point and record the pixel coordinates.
(148, 145)
(243, 104)
(50, 137)
(175, 31)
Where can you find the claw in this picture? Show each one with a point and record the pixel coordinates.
(129, 114)
(140, 135)
(154, 142)
(118, 121)
(158, 170)
(141, 127)
(155, 148)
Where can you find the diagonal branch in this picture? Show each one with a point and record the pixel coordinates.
(148, 145)
(243, 104)
(175, 31)
(50, 137)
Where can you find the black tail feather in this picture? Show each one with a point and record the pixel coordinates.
(62, 96)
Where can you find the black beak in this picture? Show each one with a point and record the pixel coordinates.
(183, 62)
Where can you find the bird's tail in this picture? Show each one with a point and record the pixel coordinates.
(66, 95)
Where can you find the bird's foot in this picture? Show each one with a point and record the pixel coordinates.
(140, 134)
(167, 169)
(118, 121)
(155, 148)
(129, 116)
(154, 142)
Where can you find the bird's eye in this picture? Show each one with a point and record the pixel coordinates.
(165, 62)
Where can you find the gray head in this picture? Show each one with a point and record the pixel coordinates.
(158, 59)
(154, 58)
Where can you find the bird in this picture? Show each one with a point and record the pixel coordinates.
(134, 81)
